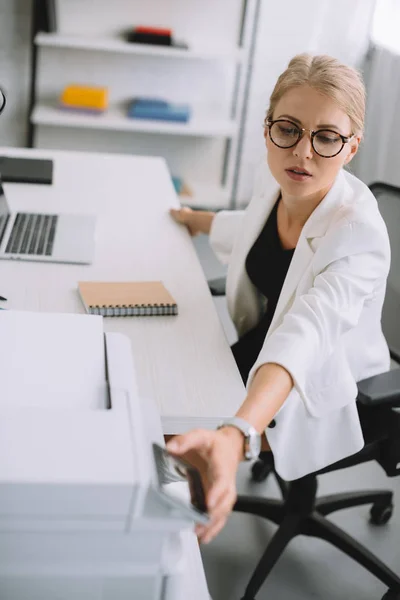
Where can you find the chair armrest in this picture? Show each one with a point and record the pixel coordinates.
(383, 389)
(217, 286)
(394, 355)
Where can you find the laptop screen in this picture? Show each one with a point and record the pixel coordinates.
(4, 211)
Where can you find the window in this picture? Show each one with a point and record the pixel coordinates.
(386, 24)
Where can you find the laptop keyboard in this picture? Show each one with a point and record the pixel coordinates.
(3, 225)
(32, 234)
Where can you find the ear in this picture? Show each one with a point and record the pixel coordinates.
(354, 144)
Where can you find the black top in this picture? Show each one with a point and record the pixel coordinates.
(267, 264)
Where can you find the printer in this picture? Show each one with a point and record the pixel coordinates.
(82, 514)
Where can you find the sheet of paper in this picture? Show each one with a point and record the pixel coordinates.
(52, 360)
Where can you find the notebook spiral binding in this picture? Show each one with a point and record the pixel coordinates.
(134, 310)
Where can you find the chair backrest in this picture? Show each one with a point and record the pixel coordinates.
(388, 197)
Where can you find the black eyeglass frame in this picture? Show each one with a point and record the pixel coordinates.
(2, 96)
(345, 139)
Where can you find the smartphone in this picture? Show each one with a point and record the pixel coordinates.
(168, 467)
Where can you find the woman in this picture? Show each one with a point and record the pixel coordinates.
(308, 261)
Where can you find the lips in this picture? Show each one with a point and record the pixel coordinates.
(299, 171)
(298, 174)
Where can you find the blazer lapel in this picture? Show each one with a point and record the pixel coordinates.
(316, 226)
(299, 263)
(242, 297)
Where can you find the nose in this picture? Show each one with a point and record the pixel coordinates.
(303, 148)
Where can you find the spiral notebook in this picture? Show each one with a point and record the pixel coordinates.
(127, 298)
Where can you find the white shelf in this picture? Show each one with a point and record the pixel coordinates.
(206, 196)
(212, 75)
(55, 40)
(115, 119)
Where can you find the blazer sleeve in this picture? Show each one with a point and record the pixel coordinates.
(224, 230)
(350, 266)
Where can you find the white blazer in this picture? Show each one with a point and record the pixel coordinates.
(326, 329)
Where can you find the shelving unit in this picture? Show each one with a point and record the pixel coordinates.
(55, 40)
(115, 119)
(211, 75)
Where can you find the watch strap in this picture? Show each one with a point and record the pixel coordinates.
(250, 434)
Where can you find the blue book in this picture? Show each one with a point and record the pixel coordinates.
(179, 113)
(178, 184)
(145, 101)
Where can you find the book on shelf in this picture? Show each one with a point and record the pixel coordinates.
(46, 15)
(158, 109)
(156, 36)
(127, 298)
(91, 99)
(153, 36)
(181, 187)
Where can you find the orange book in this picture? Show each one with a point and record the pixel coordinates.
(86, 97)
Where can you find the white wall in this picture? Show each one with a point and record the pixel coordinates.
(208, 86)
(287, 27)
(14, 69)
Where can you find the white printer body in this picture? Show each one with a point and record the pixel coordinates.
(81, 516)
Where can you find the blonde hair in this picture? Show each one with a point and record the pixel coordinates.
(329, 76)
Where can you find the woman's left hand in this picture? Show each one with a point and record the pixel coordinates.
(216, 454)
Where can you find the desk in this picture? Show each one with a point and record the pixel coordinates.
(183, 362)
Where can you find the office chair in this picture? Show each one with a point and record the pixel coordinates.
(301, 512)
(217, 286)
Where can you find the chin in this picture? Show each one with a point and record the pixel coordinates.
(298, 188)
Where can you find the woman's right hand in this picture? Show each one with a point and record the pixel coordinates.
(186, 216)
(216, 454)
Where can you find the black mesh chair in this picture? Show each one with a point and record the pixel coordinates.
(301, 512)
(217, 286)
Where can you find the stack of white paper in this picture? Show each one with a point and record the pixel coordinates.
(52, 360)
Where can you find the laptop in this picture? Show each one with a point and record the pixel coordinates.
(45, 237)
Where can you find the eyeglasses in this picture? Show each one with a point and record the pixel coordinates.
(2, 100)
(325, 142)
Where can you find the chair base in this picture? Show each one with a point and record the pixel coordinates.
(301, 513)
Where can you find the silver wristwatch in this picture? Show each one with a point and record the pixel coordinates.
(252, 439)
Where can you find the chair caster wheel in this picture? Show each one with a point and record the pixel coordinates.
(260, 471)
(381, 514)
(392, 595)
